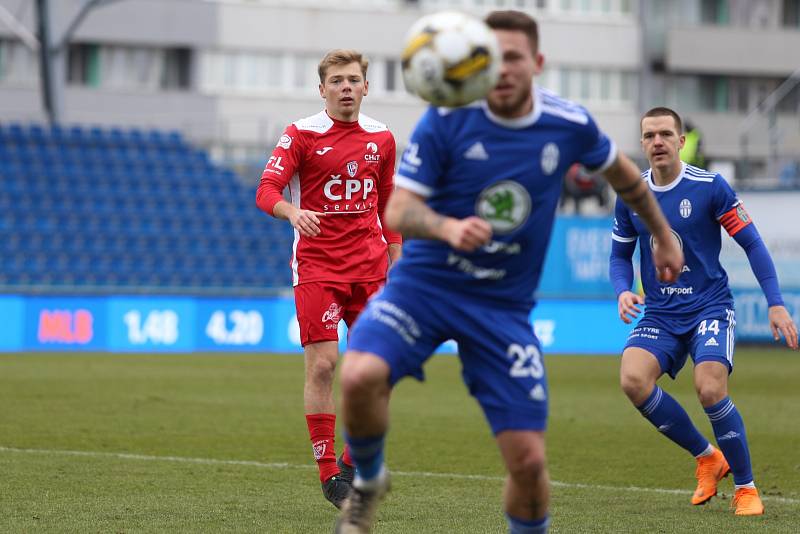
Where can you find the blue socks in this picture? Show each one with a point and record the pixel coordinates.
(671, 419)
(729, 430)
(527, 526)
(367, 454)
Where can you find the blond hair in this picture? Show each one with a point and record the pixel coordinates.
(342, 56)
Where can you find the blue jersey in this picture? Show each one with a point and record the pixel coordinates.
(468, 161)
(696, 204)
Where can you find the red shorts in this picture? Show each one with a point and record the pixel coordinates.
(321, 305)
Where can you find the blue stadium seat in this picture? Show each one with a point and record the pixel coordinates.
(89, 206)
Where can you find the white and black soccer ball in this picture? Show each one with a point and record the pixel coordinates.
(450, 59)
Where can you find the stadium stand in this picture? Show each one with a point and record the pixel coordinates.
(93, 210)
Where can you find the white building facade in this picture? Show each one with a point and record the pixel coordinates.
(231, 74)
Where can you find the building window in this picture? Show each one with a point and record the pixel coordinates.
(714, 12)
(306, 74)
(791, 13)
(605, 86)
(391, 75)
(790, 103)
(18, 63)
(128, 67)
(629, 87)
(177, 69)
(585, 84)
(84, 64)
(564, 84)
(714, 93)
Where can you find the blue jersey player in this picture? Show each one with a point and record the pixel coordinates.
(695, 314)
(477, 191)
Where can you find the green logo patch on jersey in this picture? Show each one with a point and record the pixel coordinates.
(505, 205)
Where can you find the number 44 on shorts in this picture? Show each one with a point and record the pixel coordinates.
(713, 326)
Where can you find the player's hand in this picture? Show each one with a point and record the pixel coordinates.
(668, 259)
(780, 322)
(628, 304)
(467, 234)
(306, 222)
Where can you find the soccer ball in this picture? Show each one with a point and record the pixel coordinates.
(450, 59)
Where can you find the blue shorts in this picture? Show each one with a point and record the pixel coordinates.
(710, 338)
(500, 356)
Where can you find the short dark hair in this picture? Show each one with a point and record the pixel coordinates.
(515, 21)
(664, 112)
(342, 56)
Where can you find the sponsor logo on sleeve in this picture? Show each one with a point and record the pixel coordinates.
(411, 155)
(284, 142)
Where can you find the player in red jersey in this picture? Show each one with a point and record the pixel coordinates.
(339, 167)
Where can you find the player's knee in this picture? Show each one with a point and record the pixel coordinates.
(362, 374)
(635, 385)
(710, 393)
(528, 467)
(322, 370)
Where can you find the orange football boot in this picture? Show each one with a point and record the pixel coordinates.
(747, 502)
(710, 470)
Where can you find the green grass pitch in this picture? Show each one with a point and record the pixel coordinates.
(217, 443)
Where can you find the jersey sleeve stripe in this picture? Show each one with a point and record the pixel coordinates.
(622, 239)
(404, 182)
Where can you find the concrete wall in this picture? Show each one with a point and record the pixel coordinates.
(725, 50)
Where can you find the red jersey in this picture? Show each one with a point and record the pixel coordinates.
(345, 170)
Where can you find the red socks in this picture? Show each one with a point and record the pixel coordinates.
(321, 428)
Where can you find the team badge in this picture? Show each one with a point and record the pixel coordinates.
(549, 159)
(742, 214)
(505, 205)
(685, 208)
(352, 168)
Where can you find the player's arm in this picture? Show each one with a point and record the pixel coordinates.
(620, 264)
(281, 166)
(740, 227)
(385, 189)
(408, 213)
(306, 222)
(624, 177)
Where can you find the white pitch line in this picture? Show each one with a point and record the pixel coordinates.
(285, 465)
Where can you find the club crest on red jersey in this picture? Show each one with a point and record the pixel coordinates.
(352, 168)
